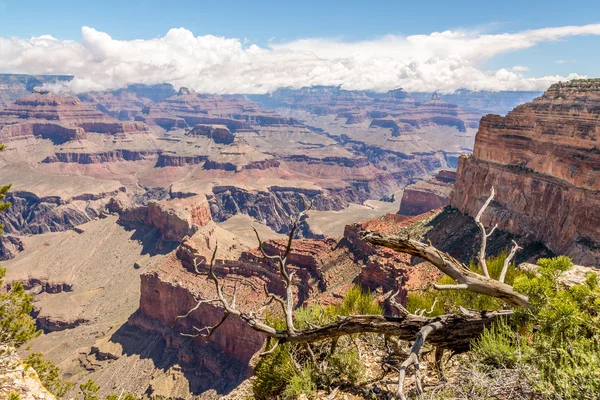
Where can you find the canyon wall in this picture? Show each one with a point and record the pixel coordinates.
(543, 159)
(427, 195)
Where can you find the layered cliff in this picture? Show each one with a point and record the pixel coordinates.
(427, 195)
(58, 118)
(543, 160)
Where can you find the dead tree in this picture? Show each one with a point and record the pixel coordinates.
(446, 332)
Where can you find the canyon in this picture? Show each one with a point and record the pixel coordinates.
(118, 196)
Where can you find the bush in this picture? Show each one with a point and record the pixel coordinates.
(16, 325)
(301, 383)
(500, 347)
(49, 374)
(557, 339)
(291, 370)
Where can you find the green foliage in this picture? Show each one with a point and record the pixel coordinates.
(301, 383)
(558, 337)
(16, 325)
(291, 370)
(89, 390)
(127, 396)
(274, 372)
(499, 346)
(14, 396)
(49, 374)
(448, 301)
(344, 365)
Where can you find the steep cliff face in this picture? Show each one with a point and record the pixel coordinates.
(543, 159)
(427, 195)
(31, 215)
(279, 204)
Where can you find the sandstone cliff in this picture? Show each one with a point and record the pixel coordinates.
(427, 195)
(543, 159)
(58, 118)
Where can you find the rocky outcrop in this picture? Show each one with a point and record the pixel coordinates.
(543, 161)
(31, 214)
(128, 103)
(191, 108)
(20, 379)
(100, 157)
(13, 86)
(56, 324)
(427, 195)
(396, 109)
(218, 133)
(48, 115)
(10, 246)
(175, 219)
(221, 362)
(482, 102)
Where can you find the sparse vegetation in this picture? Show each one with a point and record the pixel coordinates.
(293, 369)
(49, 374)
(449, 301)
(548, 351)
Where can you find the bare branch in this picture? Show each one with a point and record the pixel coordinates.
(424, 311)
(508, 260)
(413, 358)
(450, 266)
(198, 304)
(484, 234)
(460, 286)
(401, 309)
(260, 246)
(264, 353)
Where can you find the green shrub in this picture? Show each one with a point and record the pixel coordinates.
(16, 325)
(290, 370)
(344, 366)
(274, 372)
(558, 337)
(500, 347)
(301, 383)
(89, 390)
(49, 374)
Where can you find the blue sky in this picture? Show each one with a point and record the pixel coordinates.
(268, 23)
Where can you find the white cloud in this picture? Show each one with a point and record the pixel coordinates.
(441, 61)
(564, 61)
(520, 68)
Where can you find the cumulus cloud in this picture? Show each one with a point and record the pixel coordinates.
(442, 61)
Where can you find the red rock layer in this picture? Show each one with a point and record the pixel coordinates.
(543, 159)
(428, 195)
(49, 115)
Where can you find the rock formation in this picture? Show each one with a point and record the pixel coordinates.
(218, 133)
(60, 119)
(542, 158)
(13, 86)
(427, 195)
